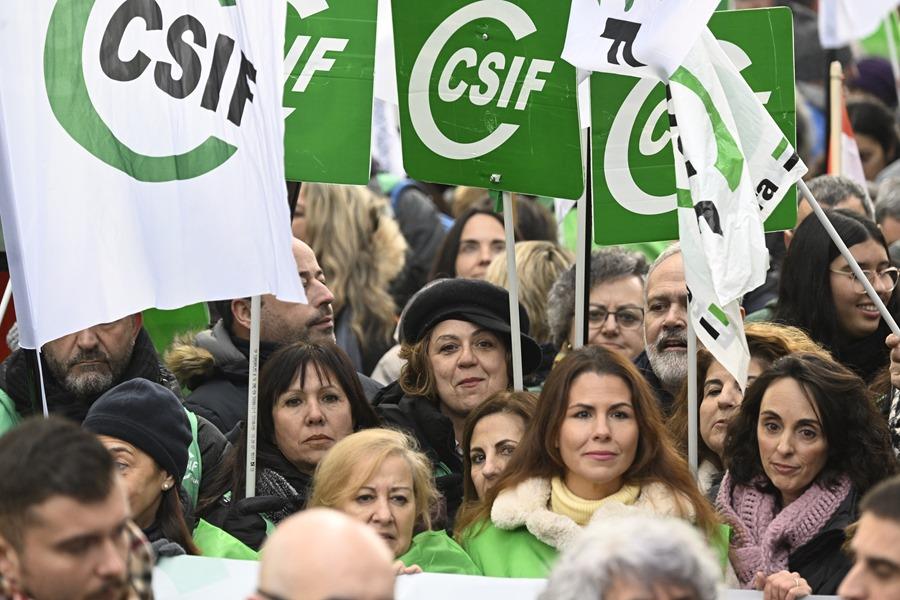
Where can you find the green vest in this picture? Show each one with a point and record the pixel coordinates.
(9, 418)
(436, 552)
(510, 553)
(217, 543)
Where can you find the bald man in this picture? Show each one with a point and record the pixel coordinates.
(321, 554)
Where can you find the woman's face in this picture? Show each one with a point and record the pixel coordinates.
(624, 334)
(720, 401)
(482, 239)
(871, 154)
(468, 363)
(144, 481)
(309, 420)
(494, 440)
(598, 437)
(857, 315)
(792, 445)
(387, 503)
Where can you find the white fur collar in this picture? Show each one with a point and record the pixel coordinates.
(528, 504)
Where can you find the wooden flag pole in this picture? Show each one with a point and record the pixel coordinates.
(252, 397)
(513, 288)
(835, 118)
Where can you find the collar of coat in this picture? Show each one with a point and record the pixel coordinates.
(528, 503)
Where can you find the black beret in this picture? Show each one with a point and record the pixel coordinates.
(470, 300)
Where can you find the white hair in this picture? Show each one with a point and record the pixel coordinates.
(644, 549)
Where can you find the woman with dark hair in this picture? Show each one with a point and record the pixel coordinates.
(596, 448)
(720, 395)
(491, 435)
(807, 443)
(819, 293)
(475, 239)
(147, 431)
(309, 399)
(875, 130)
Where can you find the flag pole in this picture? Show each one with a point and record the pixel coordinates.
(513, 287)
(252, 398)
(845, 252)
(578, 342)
(835, 113)
(692, 404)
(4, 303)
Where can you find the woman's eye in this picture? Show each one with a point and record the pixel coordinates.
(582, 414)
(121, 466)
(713, 391)
(477, 459)
(808, 434)
(447, 348)
(771, 427)
(363, 498)
(621, 415)
(400, 500)
(507, 450)
(484, 344)
(331, 398)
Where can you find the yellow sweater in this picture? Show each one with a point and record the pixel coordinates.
(564, 502)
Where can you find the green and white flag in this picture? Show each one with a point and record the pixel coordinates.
(845, 21)
(141, 157)
(733, 166)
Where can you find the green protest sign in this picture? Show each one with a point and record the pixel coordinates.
(485, 99)
(329, 50)
(632, 162)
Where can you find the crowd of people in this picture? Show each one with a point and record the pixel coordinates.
(391, 441)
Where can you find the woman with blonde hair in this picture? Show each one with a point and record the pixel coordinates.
(379, 477)
(595, 449)
(361, 250)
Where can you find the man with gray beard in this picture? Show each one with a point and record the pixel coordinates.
(664, 359)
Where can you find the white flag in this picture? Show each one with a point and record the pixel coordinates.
(141, 157)
(845, 21)
(733, 165)
(644, 38)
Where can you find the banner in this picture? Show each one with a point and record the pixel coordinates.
(141, 157)
(485, 99)
(633, 164)
(648, 38)
(845, 21)
(329, 62)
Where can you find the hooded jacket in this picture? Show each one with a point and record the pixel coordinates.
(214, 367)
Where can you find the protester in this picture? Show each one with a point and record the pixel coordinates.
(378, 477)
(874, 78)
(663, 363)
(455, 337)
(615, 312)
(835, 191)
(820, 294)
(214, 364)
(80, 367)
(491, 435)
(321, 554)
(65, 528)
(362, 251)
(876, 546)
(596, 448)
(875, 130)
(147, 432)
(309, 399)
(887, 210)
(891, 398)
(635, 557)
(538, 265)
(806, 444)
(475, 239)
(720, 396)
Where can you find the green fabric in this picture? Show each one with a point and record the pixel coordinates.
(435, 552)
(194, 471)
(9, 418)
(570, 239)
(766, 313)
(164, 325)
(217, 543)
(719, 545)
(517, 553)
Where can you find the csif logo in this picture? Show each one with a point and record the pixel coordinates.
(130, 36)
(491, 79)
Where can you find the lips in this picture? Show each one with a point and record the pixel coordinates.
(783, 469)
(319, 437)
(601, 455)
(869, 310)
(470, 382)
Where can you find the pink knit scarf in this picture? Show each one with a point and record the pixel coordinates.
(764, 539)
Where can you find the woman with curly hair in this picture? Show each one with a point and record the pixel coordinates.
(806, 445)
(361, 250)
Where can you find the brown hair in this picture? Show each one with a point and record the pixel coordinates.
(521, 404)
(656, 460)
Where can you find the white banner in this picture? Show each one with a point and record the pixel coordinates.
(733, 166)
(844, 21)
(141, 157)
(649, 38)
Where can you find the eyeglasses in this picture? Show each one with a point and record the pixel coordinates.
(627, 318)
(888, 275)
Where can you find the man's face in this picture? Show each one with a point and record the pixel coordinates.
(71, 551)
(288, 322)
(890, 227)
(665, 321)
(876, 572)
(89, 362)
